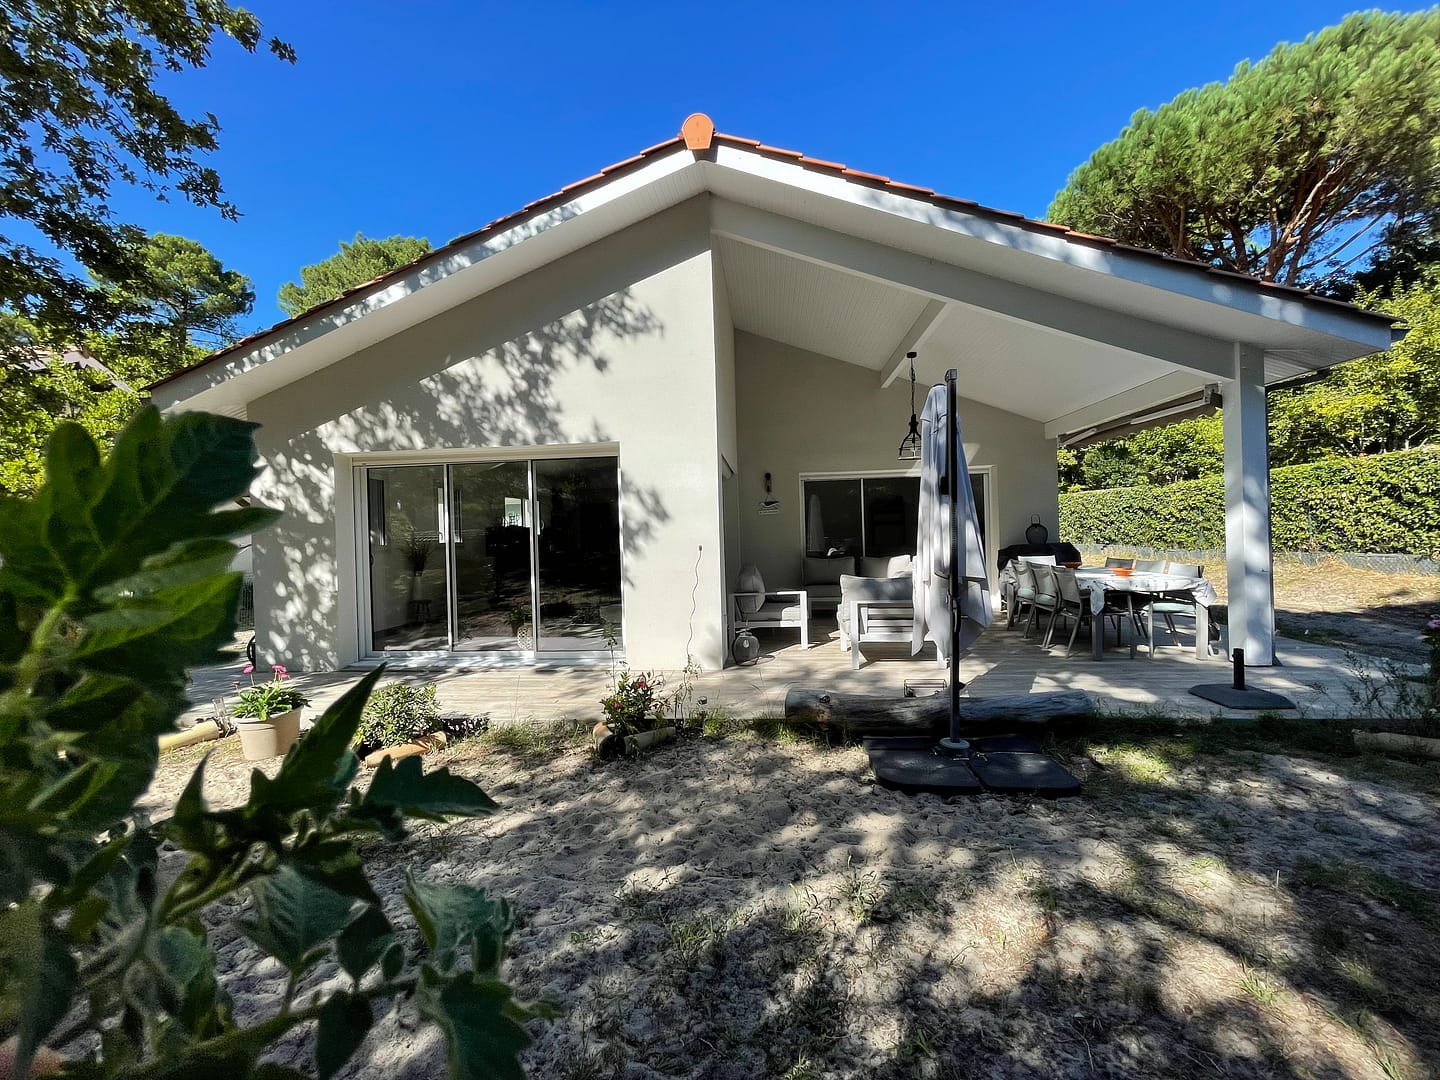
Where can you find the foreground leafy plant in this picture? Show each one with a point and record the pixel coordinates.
(114, 580)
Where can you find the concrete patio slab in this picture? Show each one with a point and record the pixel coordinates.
(1320, 680)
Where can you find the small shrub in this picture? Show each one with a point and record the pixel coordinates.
(398, 714)
(636, 704)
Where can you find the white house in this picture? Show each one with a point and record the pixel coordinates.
(578, 422)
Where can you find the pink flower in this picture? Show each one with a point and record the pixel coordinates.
(279, 669)
(249, 670)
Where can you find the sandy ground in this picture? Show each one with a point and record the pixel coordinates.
(748, 907)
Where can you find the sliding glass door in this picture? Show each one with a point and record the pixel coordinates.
(513, 558)
(578, 504)
(405, 511)
(491, 523)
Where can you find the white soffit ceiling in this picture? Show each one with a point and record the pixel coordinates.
(1030, 370)
(813, 307)
(995, 249)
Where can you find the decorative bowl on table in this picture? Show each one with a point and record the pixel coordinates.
(1122, 571)
(1072, 565)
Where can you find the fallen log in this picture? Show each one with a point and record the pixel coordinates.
(862, 715)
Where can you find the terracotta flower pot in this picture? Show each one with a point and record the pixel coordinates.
(607, 744)
(269, 737)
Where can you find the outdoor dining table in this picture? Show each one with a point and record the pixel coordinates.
(1096, 581)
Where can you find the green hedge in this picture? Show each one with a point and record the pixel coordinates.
(1383, 503)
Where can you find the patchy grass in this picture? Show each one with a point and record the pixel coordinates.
(532, 741)
(1357, 881)
(1147, 750)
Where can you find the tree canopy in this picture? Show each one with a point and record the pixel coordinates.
(181, 292)
(180, 303)
(81, 111)
(357, 262)
(1293, 169)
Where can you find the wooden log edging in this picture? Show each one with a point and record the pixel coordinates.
(863, 715)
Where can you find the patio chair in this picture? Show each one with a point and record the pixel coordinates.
(1045, 598)
(1024, 592)
(1149, 566)
(759, 608)
(1167, 607)
(1113, 560)
(1070, 603)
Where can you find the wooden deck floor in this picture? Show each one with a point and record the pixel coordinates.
(1318, 679)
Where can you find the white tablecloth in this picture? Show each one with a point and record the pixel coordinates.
(1097, 582)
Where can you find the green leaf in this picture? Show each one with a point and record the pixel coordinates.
(184, 564)
(72, 469)
(344, 1023)
(90, 873)
(364, 940)
(186, 985)
(482, 1041)
(189, 826)
(336, 865)
(435, 795)
(317, 772)
(456, 919)
(39, 980)
(295, 917)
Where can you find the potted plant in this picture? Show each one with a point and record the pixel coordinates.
(268, 716)
(634, 711)
(399, 721)
(522, 626)
(417, 556)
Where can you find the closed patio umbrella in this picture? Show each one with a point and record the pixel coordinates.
(948, 549)
(940, 438)
(951, 586)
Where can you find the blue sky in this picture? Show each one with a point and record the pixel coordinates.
(429, 119)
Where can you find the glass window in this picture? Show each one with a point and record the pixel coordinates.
(832, 517)
(871, 516)
(407, 559)
(892, 514)
(499, 556)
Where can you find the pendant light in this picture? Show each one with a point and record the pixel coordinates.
(910, 445)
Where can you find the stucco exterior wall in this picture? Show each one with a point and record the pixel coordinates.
(799, 412)
(613, 344)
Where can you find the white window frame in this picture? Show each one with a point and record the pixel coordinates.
(359, 465)
(990, 509)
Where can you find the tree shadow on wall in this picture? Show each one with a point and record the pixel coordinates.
(474, 393)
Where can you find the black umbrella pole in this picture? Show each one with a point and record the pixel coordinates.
(953, 450)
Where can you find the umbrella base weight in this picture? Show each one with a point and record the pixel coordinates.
(1229, 697)
(1002, 765)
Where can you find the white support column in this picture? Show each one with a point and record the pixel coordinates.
(1248, 556)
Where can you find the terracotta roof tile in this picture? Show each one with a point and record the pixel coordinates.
(773, 149)
(696, 125)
